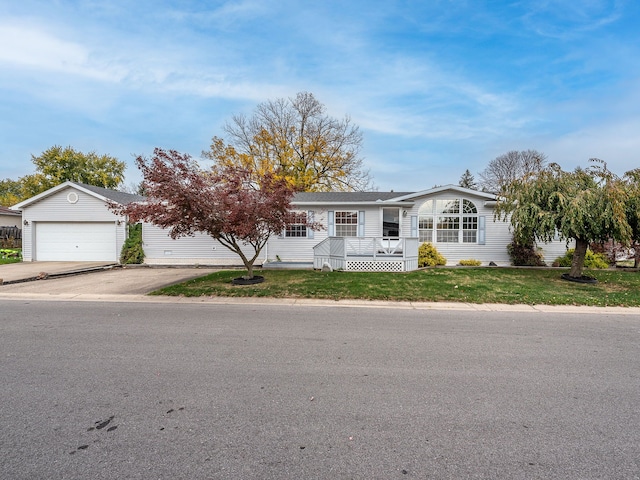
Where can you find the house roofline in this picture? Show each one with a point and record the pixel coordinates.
(62, 186)
(57, 188)
(431, 191)
(376, 203)
(8, 211)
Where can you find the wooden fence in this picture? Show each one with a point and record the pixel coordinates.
(10, 237)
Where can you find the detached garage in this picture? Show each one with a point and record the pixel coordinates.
(71, 222)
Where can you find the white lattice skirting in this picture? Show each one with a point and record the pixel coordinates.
(374, 266)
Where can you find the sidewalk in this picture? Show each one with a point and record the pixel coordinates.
(321, 303)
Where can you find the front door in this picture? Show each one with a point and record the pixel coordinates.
(391, 222)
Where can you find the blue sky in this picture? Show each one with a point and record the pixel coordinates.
(436, 86)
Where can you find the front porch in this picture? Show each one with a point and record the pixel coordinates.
(367, 254)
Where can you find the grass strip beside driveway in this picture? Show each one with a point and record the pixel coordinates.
(471, 285)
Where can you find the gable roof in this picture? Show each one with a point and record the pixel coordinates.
(343, 197)
(104, 194)
(123, 198)
(380, 197)
(455, 188)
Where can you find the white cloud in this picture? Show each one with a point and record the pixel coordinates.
(29, 48)
(616, 143)
(33, 48)
(562, 19)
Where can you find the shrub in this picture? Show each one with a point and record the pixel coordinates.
(591, 260)
(10, 253)
(428, 256)
(524, 255)
(132, 252)
(470, 263)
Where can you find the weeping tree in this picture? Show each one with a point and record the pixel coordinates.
(231, 204)
(633, 211)
(586, 205)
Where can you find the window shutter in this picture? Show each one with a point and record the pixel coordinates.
(331, 223)
(481, 230)
(310, 220)
(414, 226)
(361, 223)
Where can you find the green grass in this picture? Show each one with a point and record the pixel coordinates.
(472, 285)
(10, 255)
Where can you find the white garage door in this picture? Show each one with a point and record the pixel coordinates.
(80, 242)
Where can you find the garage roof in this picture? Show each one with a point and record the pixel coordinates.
(104, 194)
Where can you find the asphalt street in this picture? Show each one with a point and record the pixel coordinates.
(206, 391)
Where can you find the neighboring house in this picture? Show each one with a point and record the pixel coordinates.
(72, 222)
(10, 218)
(360, 230)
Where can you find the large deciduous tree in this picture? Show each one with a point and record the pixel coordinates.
(10, 192)
(57, 165)
(586, 205)
(510, 166)
(228, 203)
(295, 139)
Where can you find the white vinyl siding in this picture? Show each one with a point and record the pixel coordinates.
(491, 237)
(161, 249)
(554, 249)
(56, 208)
(298, 249)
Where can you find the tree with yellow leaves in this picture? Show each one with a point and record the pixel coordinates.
(295, 139)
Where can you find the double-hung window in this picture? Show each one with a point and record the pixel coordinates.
(346, 224)
(298, 226)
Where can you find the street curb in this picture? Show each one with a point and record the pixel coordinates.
(422, 306)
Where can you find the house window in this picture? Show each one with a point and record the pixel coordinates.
(298, 226)
(455, 221)
(425, 228)
(448, 229)
(346, 224)
(469, 222)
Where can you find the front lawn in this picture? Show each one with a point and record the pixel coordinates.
(472, 285)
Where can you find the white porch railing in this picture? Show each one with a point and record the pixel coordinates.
(369, 254)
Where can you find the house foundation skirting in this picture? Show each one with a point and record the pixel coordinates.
(367, 265)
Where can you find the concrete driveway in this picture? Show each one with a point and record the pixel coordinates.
(81, 278)
(26, 271)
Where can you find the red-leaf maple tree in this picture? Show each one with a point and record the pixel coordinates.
(229, 203)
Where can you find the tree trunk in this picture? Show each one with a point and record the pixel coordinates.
(577, 264)
(249, 270)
